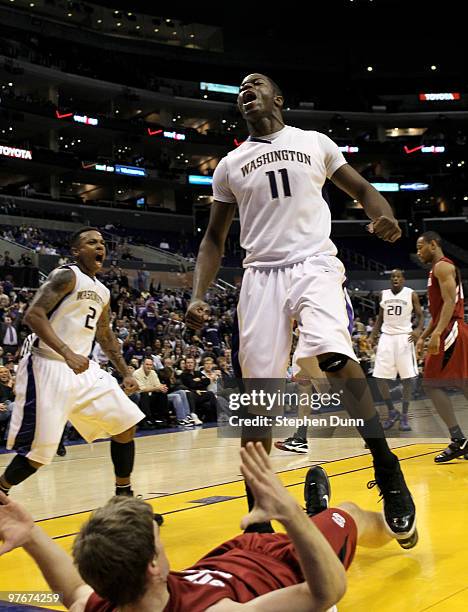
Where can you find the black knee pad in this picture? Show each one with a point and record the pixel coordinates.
(334, 363)
(123, 457)
(18, 470)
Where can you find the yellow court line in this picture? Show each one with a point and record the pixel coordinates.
(62, 526)
(388, 581)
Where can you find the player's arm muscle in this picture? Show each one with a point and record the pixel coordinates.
(296, 597)
(418, 312)
(59, 284)
(109, 343)
(212, 247)
(356, 186)
(445, 274)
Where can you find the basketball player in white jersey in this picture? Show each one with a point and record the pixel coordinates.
(395, 354)
(275, 179)
(56, 380)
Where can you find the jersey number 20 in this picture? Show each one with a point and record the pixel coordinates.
(90, 317)
(274, 186)
(394, 310)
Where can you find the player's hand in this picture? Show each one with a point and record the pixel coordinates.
(413, 337)
(386, 228)
(433, 348)
(272, 501)
(16, 524)
(130, 384)
(197, 314)
(77, 363)
(420, 348)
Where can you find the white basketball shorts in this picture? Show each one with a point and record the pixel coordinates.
(395, 356)
(49, 393)
(310, 292)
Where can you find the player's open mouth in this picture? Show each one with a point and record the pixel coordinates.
(248, 99)
(99, 258)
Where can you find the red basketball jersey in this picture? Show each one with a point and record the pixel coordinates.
(435, 295)
(247, 566)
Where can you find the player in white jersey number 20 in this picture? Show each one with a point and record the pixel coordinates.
(275, 179)
(396, 355)
(56, 380)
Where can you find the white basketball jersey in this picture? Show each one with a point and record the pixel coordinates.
(75, 317)
(397, 310)
(277, 181)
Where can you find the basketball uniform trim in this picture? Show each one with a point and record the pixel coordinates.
(25, 436)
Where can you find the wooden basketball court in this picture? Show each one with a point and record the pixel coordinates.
(192, 478)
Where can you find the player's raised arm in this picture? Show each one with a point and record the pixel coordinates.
(111, 347)
(384, 225)
(59, 284)
(17, 529)
(324, 573)
(209, 260)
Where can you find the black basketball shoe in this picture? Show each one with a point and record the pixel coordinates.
(456, 449)
(399, 508)
(126, 490)
(317, 490)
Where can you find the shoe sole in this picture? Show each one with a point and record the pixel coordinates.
(406, 540)
(409, 542)
(293, 449)
(456, 455)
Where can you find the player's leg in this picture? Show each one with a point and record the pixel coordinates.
(371, 527)
(103, 410)
(407, 368)
(297, 443)
(393, 414)
(407, 384)
(372, 530)
(322, 311)
(38, 417)
(385, 369)
(122, 449)
(263, 339)
(444, 407)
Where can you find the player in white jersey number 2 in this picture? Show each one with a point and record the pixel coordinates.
(275, 179)
(56, 380)
(396, 355)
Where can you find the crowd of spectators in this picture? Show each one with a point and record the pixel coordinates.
(184, 378)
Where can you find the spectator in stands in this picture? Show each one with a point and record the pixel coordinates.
(153, 396)
(25, 260)
(7, 397)
(9, 335)
(148, 320)
(205, 401)
(179, 397)
(211, 333)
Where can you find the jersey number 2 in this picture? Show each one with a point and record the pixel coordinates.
(274, 186)
(90, 317)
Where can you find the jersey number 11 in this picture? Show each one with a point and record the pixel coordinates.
(274, 186)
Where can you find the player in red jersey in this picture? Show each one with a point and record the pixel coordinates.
(119, 554)
(446, 363)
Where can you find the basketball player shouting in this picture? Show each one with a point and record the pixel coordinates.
(292, 273)
(395, 351)
(57, 382)
(446, 363)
